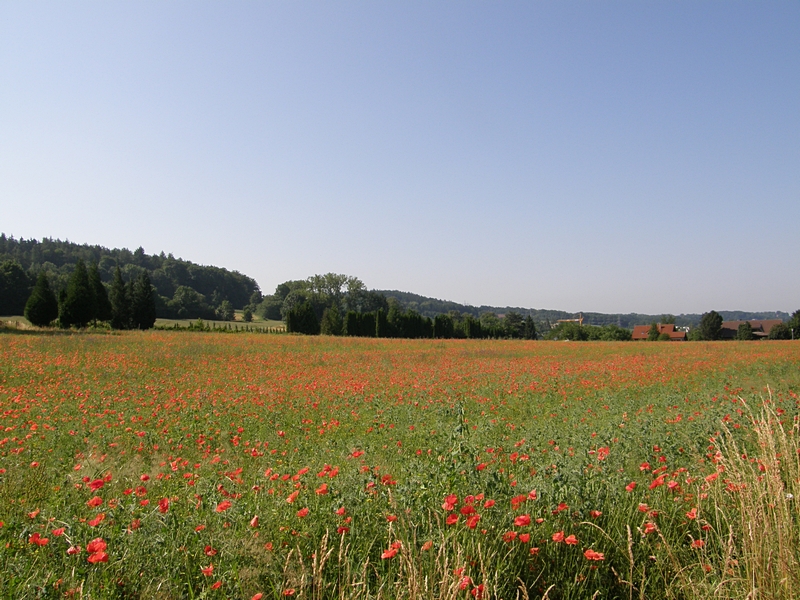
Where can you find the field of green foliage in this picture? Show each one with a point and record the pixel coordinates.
(196, 465)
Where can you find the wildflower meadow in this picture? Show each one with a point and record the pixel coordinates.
(169, 464)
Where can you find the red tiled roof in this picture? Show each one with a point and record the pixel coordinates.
(640, 332)
(761, 327)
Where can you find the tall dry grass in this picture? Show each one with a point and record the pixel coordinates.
(756, 504)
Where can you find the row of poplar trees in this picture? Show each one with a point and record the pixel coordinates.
(86, 301)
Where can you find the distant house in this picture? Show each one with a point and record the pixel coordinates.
(761, 328)
(640, 332)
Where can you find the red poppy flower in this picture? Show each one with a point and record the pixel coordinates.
(223, 506)
(207, 571)
(163, 505)
(571, 540)
(94, 502)
(450, 502)
(303, 512)
(522, 520)
(517, 501)
(38, 540)
(96, 545)
(592, 555)
(473, 520)
(452, 519)
(97, 557)
(558, 536)
(509, 536)
(630, 487)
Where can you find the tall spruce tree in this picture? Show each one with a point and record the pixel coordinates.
(77, 308)
(100, 303)
(42, 306)
(529, 331)
(143, 303)
(120, 302)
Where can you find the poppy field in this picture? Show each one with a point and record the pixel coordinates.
(197, 465)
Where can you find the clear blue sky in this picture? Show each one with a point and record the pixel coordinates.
(596, 156)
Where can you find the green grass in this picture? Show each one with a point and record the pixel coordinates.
(392, 428)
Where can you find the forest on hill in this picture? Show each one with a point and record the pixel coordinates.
(430, 307)
(183, 289)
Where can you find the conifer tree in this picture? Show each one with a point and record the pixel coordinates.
(143, 304)
(77, 306)
(331, 322)
(302, 319)
(120, 302)
(529, 331)
(101, 305)
(42, 306)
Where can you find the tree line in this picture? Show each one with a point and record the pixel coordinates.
(184, 290)
(85, 300)
(335, 304)
(432, 306)
(710, 329)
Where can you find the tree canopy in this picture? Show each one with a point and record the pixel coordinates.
(710, 326)
(167, 274)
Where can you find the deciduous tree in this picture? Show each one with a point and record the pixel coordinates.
(780, 331)
(745, 331)
(15, 287)
(710, 326)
